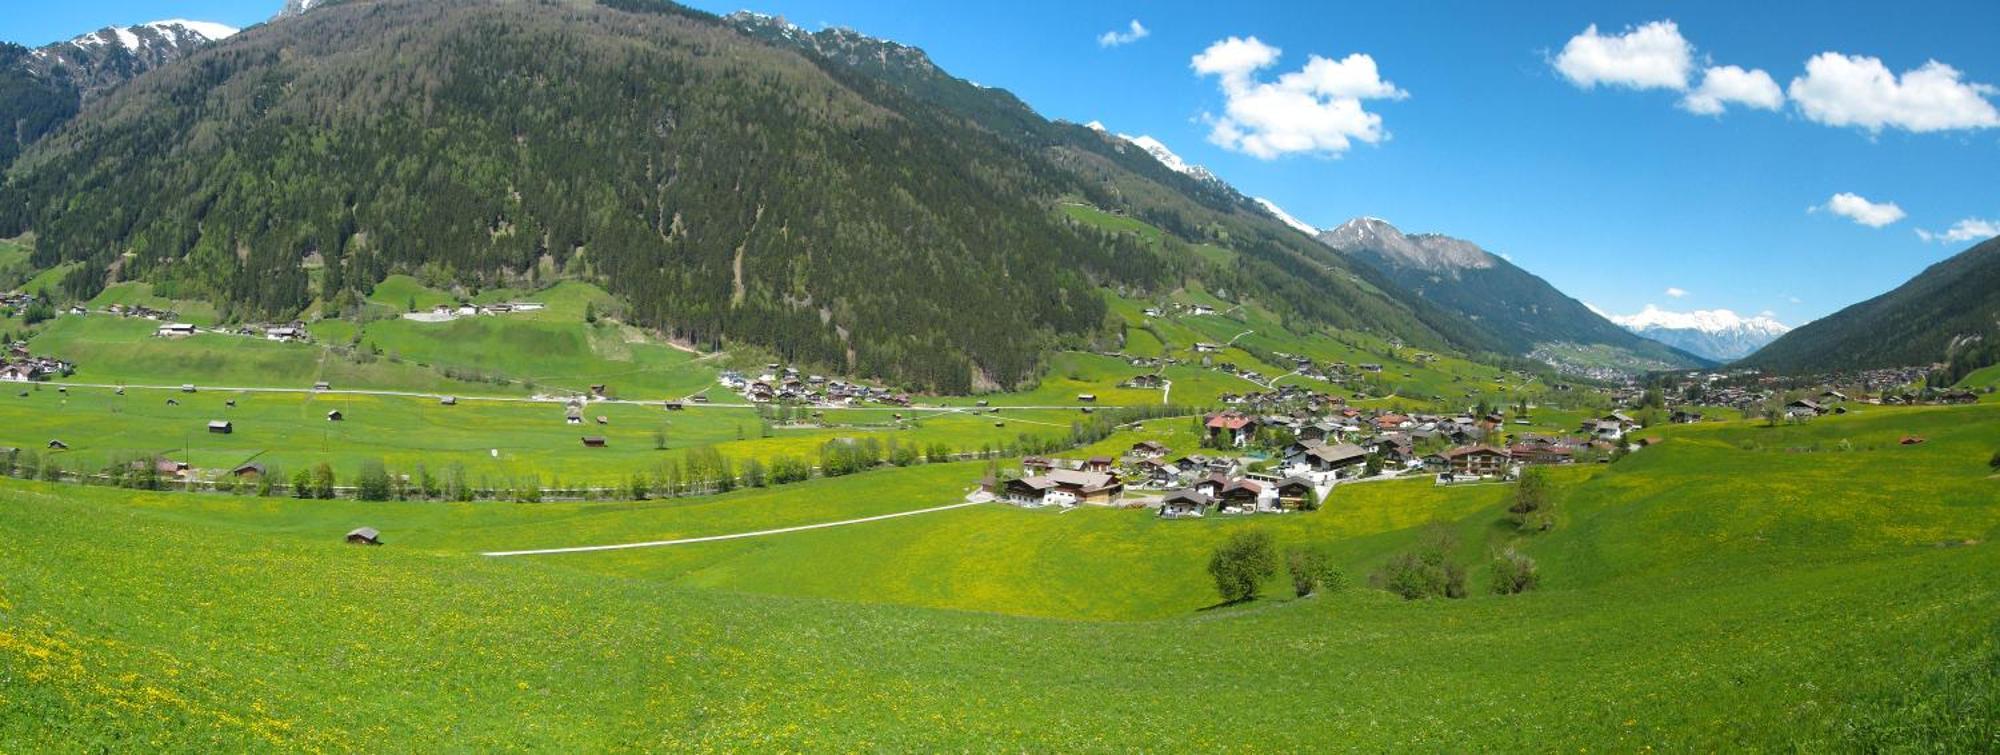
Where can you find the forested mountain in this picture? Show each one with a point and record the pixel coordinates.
(43, 88)
(1518, 309)
(1948, 313)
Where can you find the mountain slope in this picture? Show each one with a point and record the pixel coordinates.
(42, 89)
(1952, 307)
(1715, 334)
(832, 197)
(1521, 311)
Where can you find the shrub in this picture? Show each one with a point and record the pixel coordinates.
(1241, 564)
(322, 481)
(1995, 461)
(1427, 572)
(373, 482)
(1514, 572)
(1531, 510)
(302, 484)
(1308, 568)
(637, 487)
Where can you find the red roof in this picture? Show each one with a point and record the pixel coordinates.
(1228, 421)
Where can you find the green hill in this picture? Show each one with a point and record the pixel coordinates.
(1948, 313)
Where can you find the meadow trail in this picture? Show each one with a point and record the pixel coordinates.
(732, 536)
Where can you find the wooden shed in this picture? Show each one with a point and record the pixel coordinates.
(364, 536)
(593, 441)
(222, 427)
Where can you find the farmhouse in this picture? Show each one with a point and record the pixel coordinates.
(248, 471)
(1064, 487)
(221, 427)
(1231, 427)
(58, 445)
(1184, 503)
(1321, 457)
(1239, 497)
(1148, 449)
(449, 401)
(1297, 493)
(1804, 408)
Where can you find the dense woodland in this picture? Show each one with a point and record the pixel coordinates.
(1948, 313)
(821, 197)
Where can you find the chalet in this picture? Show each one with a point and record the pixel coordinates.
(322, 386)
(175, 330)
(1064, 487)
(1207, 348)
(1188, 464)
(57, 445)
(1149, 449)
(593, 441)
(603, 420)
(1322, 457)
(1086, 397)
(286, 333)
(674, 406)
(1479, 461)
(1958, 397)
(573, 416)
(221, 427)
(1804, 407)
(1297, 493)
(1152, 473)
(597, 390)
(1036, 464)
(1684, 417)
(1830, 396)
(335, 416)
(1201, 309)
(1233, 428)
(1184, 503)
(1097, 464)
(248, 471)
(1393, 422)
(364, 536)
(1606, 430)
(1542, 453)
(1240, 496)
(1144, 381)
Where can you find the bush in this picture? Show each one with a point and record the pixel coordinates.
(1308, 569)
(1532, 510)
(1514, 572)
(302, 484)
(1995, 461)
(1426, 572)
(637, 488)
(1241, 564)
(373, 482)
(322, 481)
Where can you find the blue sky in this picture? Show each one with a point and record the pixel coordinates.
(1579, 160)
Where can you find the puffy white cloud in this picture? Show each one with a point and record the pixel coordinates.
(1316, 109)
(1676, 292)
(1652, 56)
(1723, 85)
(1852, 90)
(1969, 229)
(1131, 33)
(1858, 209)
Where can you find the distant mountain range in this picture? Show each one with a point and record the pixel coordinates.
(1948, 313)
(43, 88)
(1520, 310)
(1716, 334)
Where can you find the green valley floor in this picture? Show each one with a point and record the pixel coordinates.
(1734, 587)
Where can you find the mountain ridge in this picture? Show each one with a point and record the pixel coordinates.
(1717, 334)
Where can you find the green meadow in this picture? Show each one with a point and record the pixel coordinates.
(1735, 587)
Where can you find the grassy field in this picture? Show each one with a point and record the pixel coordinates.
(496, 441)
(1815, 587)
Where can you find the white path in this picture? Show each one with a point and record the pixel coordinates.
(713, 538)
(462, 398)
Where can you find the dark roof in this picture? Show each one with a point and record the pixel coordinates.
(365, 532)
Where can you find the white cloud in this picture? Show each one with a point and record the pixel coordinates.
(1652, 56)
(1969, 229)
(1844, 90)
(1676, 292)
(1316, 109)
(1858, 209)
(1723, 85)
(1131, 33)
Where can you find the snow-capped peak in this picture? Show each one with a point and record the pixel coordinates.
(1279, 213)
(1704, 320)
(1166, 156)
(1097, 126)
(208, 30)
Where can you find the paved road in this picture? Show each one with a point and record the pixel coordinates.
(713, 538)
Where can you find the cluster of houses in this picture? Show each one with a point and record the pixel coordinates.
(779, 383)
(1188, 486)
(20, 366)
(449, 312)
